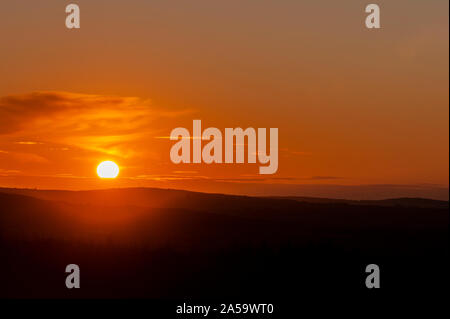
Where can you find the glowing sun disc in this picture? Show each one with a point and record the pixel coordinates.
(107, 169)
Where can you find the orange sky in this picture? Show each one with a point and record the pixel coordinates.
(353, 106)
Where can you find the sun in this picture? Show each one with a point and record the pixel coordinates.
(107, 169)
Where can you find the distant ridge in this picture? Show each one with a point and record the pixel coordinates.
(403, 201)
(160, 197)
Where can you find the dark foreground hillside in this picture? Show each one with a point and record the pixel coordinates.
(176, 244)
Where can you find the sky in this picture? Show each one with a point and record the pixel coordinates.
(361, 113)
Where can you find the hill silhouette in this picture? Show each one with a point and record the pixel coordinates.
(168, 243)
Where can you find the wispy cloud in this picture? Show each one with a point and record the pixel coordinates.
(28, 143)
(100, 123)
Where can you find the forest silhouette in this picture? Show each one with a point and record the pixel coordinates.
(158, 243)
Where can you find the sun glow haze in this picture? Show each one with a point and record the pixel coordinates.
(107, 169)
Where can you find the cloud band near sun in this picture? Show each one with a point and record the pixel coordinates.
(60, 127)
